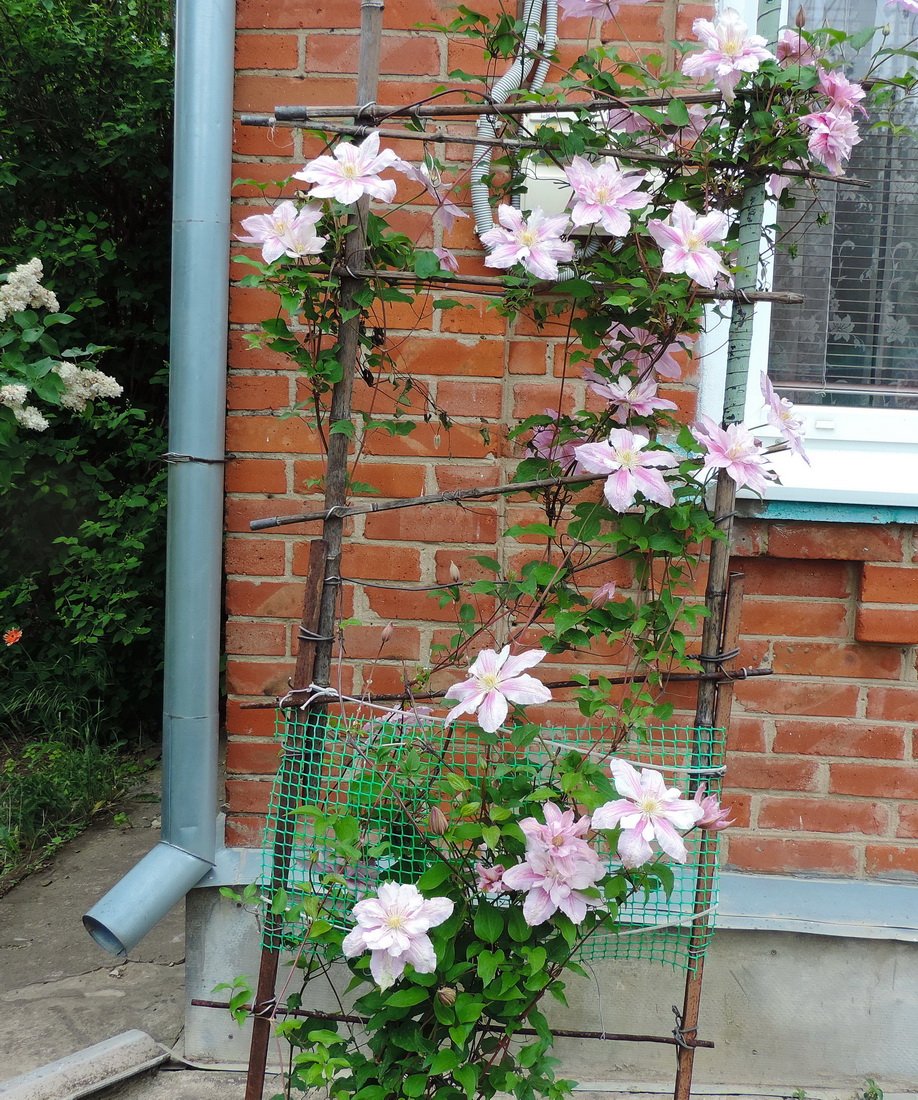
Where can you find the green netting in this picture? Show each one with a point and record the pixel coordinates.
(334, 763)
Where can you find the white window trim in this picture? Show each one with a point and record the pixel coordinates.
(857, 456)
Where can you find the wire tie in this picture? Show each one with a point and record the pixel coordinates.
(264, 1010)
(306, 635)
(175, 458)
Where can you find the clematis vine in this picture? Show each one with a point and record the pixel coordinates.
(648, 813)
(731, 52)
(631, 398)
(446, 211)
(735, 450)
(685, 239)
(552, 883)
(496, 680)
(285, 232)
(537, 242)
(605, 194)
(351, 172)
(546, 442)
(631, 469)
(393, 927)
(644, 351)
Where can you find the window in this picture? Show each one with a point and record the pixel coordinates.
(848, 357)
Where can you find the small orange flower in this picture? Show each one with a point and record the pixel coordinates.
(11, 637)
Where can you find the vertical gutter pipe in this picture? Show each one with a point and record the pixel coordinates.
(205, 31)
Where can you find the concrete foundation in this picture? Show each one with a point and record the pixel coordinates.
(786, 1010)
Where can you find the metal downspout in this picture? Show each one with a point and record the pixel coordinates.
(205, 32)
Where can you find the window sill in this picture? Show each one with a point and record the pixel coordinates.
(817, 511)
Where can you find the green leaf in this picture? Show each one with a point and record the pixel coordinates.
(444, 1061)
(342, 427)
(677, 113)
(407, 998)
(488, 923)
(531, 529)
(436, 874)
(467, 1076)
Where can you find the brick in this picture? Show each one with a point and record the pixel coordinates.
(467, 398)
(773, 696)
(453, 476)
(240, 512)
(839, 739)
(267, 51)
(244, 832)
(257, 392)
(477, 318)
(435, 523)
(818, 815)
(256, 475)
(256, 639)
(469, 569)
(758, 853)
(257, 677)
(460, 441)
(464, 357)
(415, 316)
(748, 539)
(269, 433)
(892, 862)
(252, 757)
(783, 577)
(260, 141)
(889, 583)
(250, 305)
(265, 599)
(894, 704)
(893, 625)
(421, 606)
(532, 398)
(740, 807)
(840, 541)
(366, 642)
(390, 479)
(831, 659)
(746, 734)
(248, 796)
(760, 772)
(874, 780)
(244, 357)
(908, 821)
(527, 357)
(254, 557)
(248, 722)
(794, 618)
(395, 563)
(418, 55)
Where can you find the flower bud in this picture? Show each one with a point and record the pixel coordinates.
(800, 19)
(454, 575)
(437, 823)
(388, 630)
(446, 995)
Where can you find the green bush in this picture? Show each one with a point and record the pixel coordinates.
(85, 152)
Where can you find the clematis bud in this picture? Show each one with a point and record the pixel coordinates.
(387, 633)
(454, 575)
(603, 594)
(437, 823)
(800, 20)
(446, 995)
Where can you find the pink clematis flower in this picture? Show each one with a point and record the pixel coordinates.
(713, 816)
(545, 442)
(781, 415)
(731, 52)
(594, 9)
(489, 879)
(393, 927)
(843, 94)
(604, 194)
(561, 835)
(632, 397)
(648, 812)
(494, 682)
(631, 469)
(552, 884)
(685, 239)
(644, 350)
(447, 259)
(603, 594)
(908, 5)
(284, 232)
(352, 172)
(536, 243)
(834, 136)
(793, 49)
(446, 211)
(733, 449)
(623, 119)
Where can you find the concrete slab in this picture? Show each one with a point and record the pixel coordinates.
(187, 1084)
(61, 992)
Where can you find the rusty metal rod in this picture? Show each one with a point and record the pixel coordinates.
(342, 1017)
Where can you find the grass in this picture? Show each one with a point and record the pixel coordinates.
(56, 774)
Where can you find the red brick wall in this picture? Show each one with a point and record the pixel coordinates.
(821, 771)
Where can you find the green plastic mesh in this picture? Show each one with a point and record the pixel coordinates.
(335, 763)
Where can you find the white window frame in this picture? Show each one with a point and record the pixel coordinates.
(857, 455)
